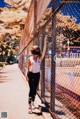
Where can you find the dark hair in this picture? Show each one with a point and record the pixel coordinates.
(36, 50)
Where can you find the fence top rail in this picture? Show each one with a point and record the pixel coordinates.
(70, 1)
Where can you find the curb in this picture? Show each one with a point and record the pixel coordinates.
(45, 113)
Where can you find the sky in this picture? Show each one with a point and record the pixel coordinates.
(3, 4)
(72, 9)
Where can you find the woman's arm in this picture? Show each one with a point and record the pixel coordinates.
(44, 49)
(28, 64)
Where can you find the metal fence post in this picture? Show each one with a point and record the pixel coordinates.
(43, 79)
(35, 19)
(53, 64)
(43, 71)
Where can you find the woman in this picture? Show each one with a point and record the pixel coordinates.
(33, 74)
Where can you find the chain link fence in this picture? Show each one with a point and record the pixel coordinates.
(59, 86)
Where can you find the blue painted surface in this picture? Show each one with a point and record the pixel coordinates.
(76, 51)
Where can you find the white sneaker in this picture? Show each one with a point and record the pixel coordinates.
(33, 106)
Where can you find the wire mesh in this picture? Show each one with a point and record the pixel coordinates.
(68, 63)
(67, 59)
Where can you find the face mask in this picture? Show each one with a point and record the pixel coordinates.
(35, 52)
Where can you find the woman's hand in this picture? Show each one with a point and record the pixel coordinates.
(46, 37)
(44, 49)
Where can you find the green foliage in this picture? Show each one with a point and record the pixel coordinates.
(8, 46)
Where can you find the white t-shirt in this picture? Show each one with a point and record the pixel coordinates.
(35, 66)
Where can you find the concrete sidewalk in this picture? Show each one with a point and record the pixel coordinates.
(14, 94)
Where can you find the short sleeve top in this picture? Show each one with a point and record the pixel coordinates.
(35, 66)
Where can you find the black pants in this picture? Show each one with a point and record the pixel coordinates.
(33, 84)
